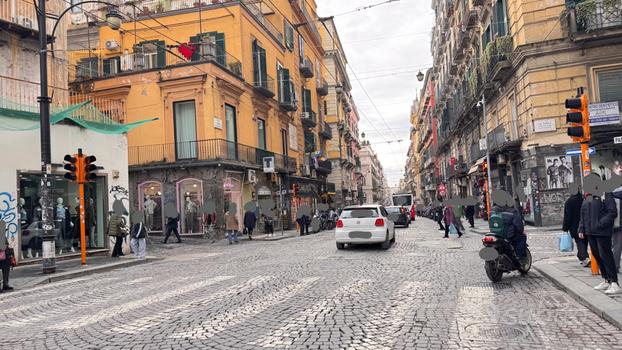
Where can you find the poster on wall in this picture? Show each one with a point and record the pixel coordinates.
(559, 172)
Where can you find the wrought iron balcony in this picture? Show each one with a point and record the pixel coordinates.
(495, 59)
(325, 167)
(322, 87)
(309, 119)
(306, 68)
(287, 96)
(264, 86)
(206, 150)
(592, 15)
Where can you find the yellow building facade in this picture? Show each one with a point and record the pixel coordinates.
(230, 83)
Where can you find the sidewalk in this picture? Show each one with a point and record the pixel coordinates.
(578, 281)
(31, 275)
(277, 236)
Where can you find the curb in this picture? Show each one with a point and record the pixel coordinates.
(600, 304)
(89, 270)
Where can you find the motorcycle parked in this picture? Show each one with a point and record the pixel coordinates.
(500, 257)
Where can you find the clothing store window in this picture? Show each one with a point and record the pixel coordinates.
(150, 201)
(190, 199)
(66, 215)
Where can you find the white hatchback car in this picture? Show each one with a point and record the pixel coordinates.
(365, 224)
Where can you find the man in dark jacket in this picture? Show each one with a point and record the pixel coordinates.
(572, 216)
(249, 222)
(469, 212)
(597, 219)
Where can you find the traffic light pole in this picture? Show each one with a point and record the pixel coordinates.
(81, 180)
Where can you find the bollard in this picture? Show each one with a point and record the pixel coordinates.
(593, 264)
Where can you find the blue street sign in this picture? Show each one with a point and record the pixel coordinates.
(577, 152)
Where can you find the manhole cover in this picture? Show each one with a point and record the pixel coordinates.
(495, 332)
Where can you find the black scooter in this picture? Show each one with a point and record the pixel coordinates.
(501, 258)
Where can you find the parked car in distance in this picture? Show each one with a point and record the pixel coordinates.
(399, 216)
(364, 224)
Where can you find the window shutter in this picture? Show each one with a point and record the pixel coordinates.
(289, 36)
(307, 98)
(287, 92)
(221, 56)
(256, 63)
(196, 55)
(161, 53)
(610, 86)
(106, 64)
(263, 64)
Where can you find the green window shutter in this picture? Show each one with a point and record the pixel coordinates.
(287, 93)
(289, 36)
(196, 55)
(161, 53)
(106, 64)
(221, 53)
(256, 64)
(263, 64)
(307, 100)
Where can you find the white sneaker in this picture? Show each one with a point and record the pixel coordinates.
(586, 262)
(614, 289)
(603, 285)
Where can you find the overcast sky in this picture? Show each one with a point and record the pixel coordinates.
(386, 46)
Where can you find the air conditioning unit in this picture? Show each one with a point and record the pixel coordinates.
(25, 22)
(78, 18)
(306, 115)
(112, 45)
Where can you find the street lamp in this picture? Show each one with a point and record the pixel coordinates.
(420, 76)
(113, 18)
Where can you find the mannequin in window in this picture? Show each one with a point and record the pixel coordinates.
(62, 219)
(23, 214)
(191, 211)
(149, 206)
(36, 213)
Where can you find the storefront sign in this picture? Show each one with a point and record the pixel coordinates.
(252, 178)
(544, 125)
(604, 113)
(228, 184)
(218, 123)
(617, 140)
(264, 191)
(268, 164)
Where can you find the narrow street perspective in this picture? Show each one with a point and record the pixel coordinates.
(423, 293)
(310, 174)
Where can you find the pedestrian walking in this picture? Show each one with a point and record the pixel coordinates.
(171, 227)
(572, 216)
(232, 226)
(616, 238)
(138, 239)
(303, 223)
(7, 260)
(438, 216)
(597, 220)
(469, 212)
(250, 220)
(116, 229)
(449, 218)
(267, 224)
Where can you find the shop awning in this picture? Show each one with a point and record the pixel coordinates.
(475, 167)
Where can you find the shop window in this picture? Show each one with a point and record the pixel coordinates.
(66, 215)
(189, 200)
(150, 201)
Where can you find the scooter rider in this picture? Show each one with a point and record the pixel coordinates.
(515, 230)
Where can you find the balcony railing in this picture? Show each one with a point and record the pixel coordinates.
(322, 87)
(325, 167)
(96, 67)
(23, 14)
(254, 8)
(264, 86)
(287, 96)
(306, 68)
(309, 118)
(310, 21)
(594, 15)
(327, 131)
(206, 150)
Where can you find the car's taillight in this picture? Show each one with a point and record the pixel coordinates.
(339, 223)
(379, 222)
(489, 239)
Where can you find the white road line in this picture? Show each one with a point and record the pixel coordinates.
(227, 319)
(144, 323)
(309, 316)
(137, 304)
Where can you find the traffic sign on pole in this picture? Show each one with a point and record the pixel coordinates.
(577, 152)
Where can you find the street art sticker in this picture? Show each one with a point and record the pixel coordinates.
(559, 172)
(8, 215)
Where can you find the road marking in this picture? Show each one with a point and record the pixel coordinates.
(225, 320)
(137, 304)
(308, 318)
(141, 324)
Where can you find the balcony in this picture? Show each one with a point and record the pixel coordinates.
(99, 68)
(309, 119)
(264, 86)
(322, 87)
(495, 59)
(325, 167)
(212, 150)
(326, 131)
(306, 68)
(309, 20)
(287, 96)
(592, 16)
(20, 17)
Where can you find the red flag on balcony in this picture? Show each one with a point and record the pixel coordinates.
(186, 50)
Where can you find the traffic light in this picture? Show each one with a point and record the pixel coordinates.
(89, 168)
(579, 117)
(71, 165)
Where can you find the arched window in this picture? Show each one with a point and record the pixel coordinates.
(150, 201)
(189, 202)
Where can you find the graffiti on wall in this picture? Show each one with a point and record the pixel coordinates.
(8, 215)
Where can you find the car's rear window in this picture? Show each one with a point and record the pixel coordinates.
(403, 200)
(359, 213)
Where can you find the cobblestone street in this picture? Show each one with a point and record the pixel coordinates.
(425, 292)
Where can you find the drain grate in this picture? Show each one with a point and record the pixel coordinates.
(494, 286)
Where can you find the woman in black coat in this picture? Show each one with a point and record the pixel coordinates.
(249, 223)
(5, 265)
(572, 216)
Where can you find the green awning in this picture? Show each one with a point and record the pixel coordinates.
(23, 120)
